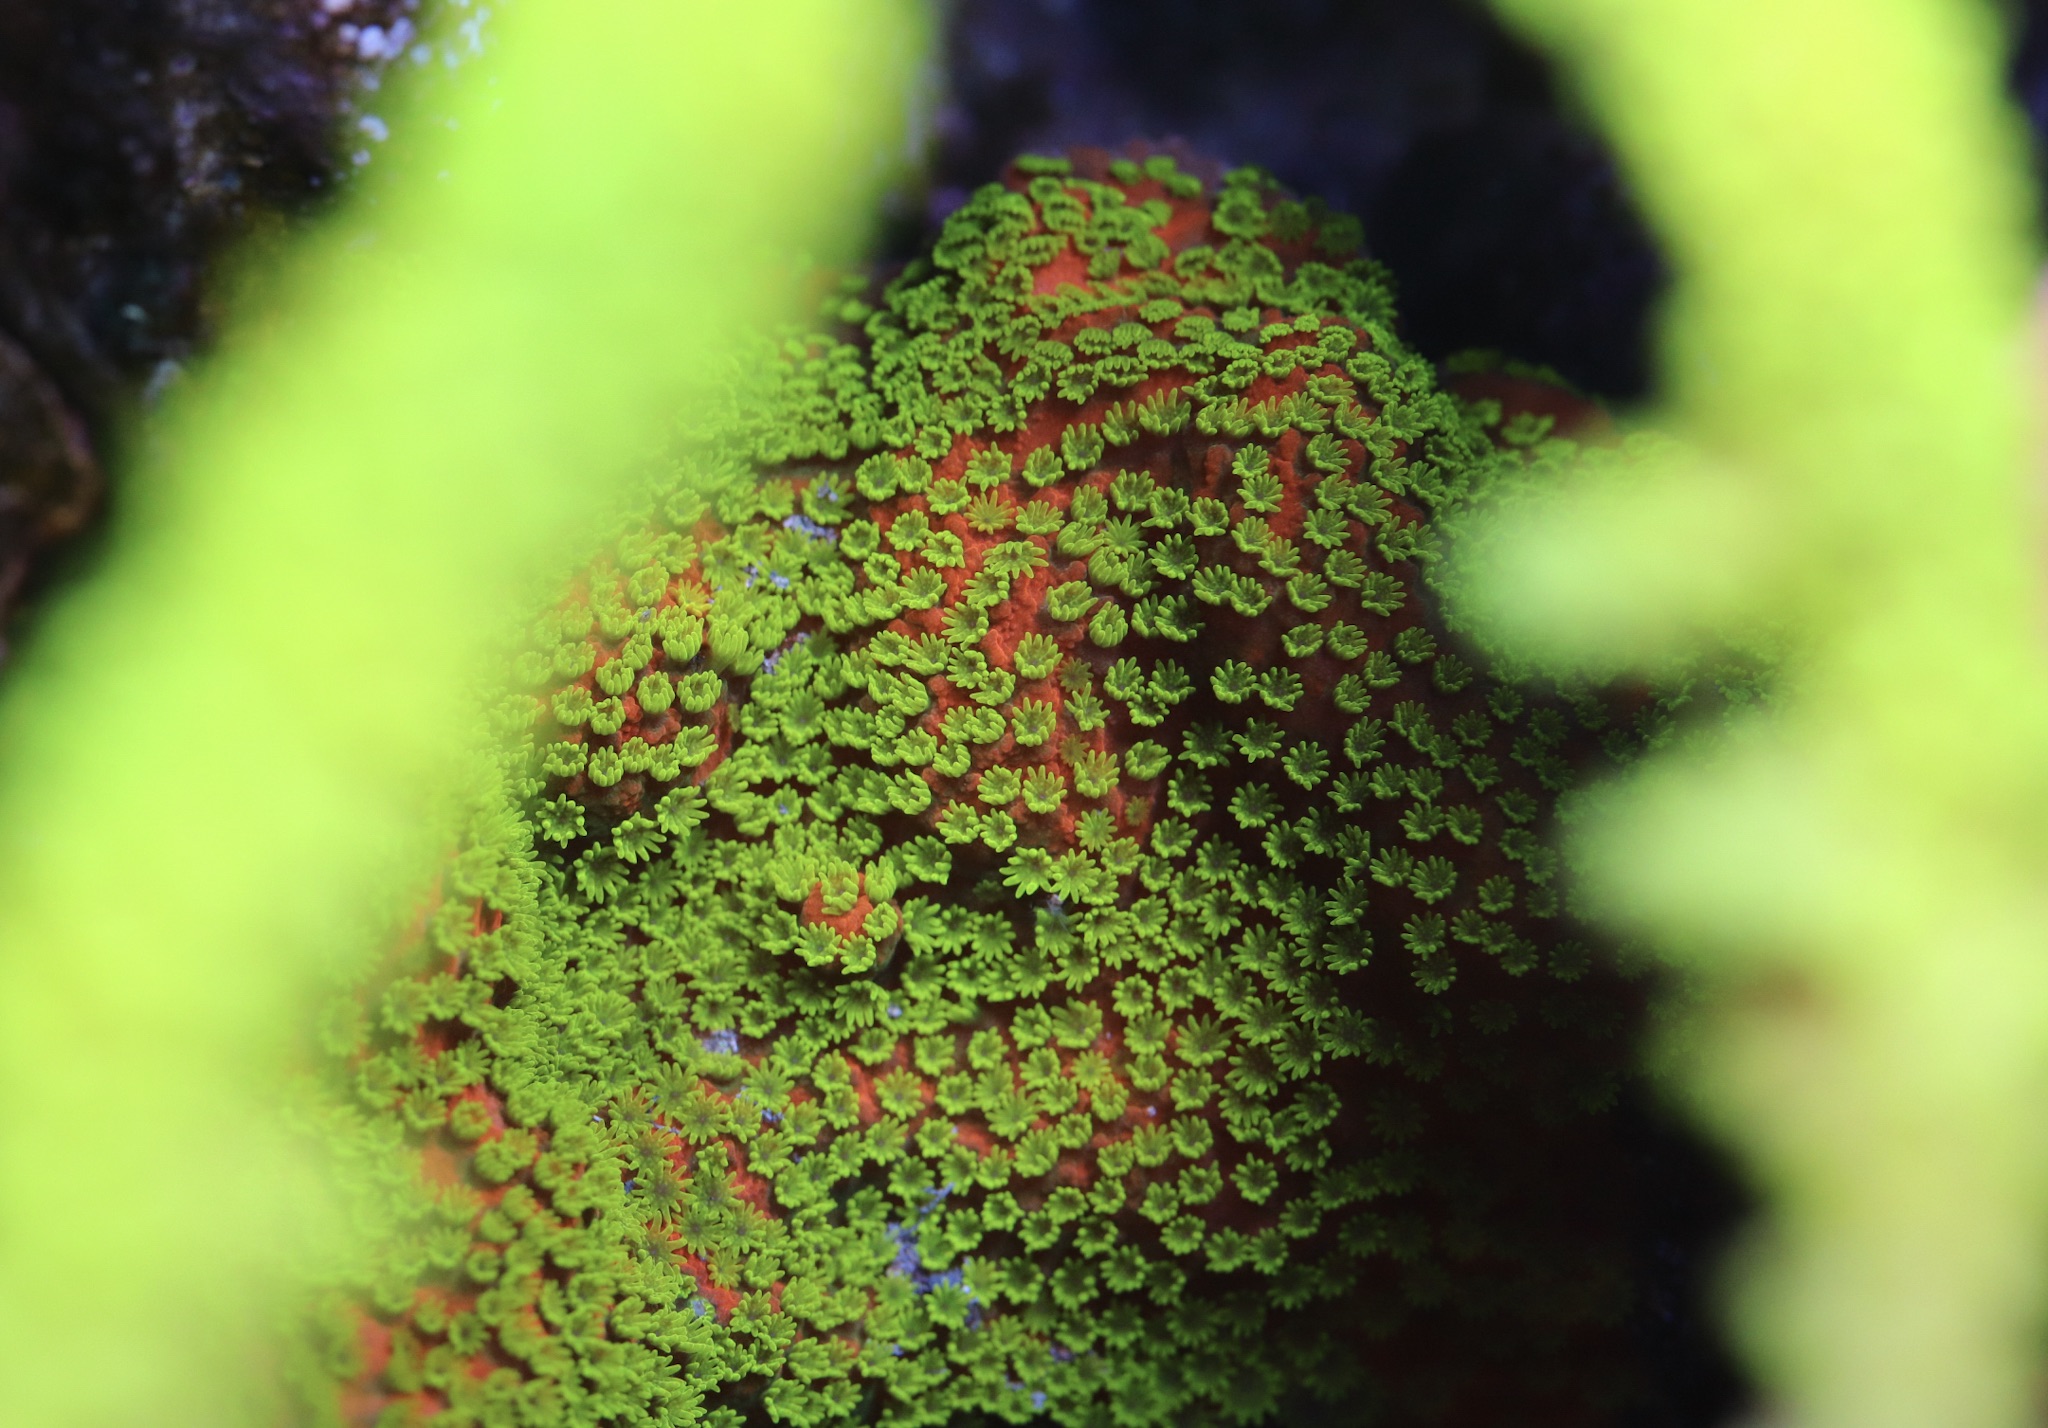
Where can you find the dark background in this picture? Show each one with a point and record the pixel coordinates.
(1502, 221)
(141, 139)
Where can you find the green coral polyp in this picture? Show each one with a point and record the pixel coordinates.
(957, 947)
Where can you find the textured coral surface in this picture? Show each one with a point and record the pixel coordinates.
(1013, 904)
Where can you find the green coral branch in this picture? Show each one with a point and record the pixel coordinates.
(1856, 877)
(238, 735)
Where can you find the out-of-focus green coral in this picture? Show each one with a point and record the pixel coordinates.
(1857, 878)
(1017, 904)
(221, 746)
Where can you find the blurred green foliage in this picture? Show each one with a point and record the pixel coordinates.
(245, 728)
(1856, 877)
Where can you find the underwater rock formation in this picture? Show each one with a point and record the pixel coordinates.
(140, 141)
(49, 478)
(1011, 900)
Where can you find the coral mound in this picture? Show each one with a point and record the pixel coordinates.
(1014, 903)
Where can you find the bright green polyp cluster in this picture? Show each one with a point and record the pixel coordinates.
(1013, 904)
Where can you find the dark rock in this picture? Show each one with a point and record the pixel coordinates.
(49, 480)
(139, 141)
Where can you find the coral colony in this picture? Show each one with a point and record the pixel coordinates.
(1011, 903)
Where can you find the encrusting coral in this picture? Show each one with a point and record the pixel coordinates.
(1012, 902)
